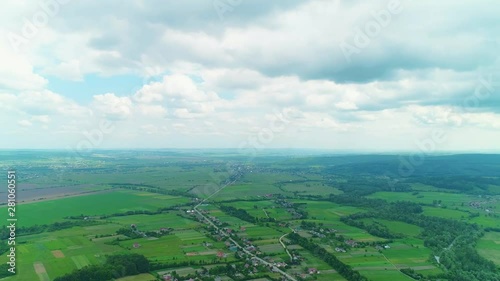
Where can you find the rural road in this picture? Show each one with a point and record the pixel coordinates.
(284, 246)
(398, 268)
(265, 213)
(275, 269)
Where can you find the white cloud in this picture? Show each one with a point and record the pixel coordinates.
(155, 111)
(222, 82)
(16, 72)
(112, 106)
(25, 123)
(66, 70)
(44, 119)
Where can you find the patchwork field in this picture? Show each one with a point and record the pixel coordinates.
(47, 255)
(271, 198)
(118, 201)
(489, 247)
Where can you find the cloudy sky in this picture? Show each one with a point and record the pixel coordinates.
(343, 75)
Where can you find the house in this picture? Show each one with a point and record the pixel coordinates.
(221, 255)
(166, 229)
(312, 270)
(351, 243)
(340, 250)
(137, 245)
(281, 264)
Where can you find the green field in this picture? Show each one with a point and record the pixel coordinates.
(272, 197)
(140, 277)
(448, 199)
(75, 244)
(155, 222)
(489, 247)
(117, 201)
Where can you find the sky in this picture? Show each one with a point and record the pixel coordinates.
(379, 76)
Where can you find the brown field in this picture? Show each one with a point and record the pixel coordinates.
(206, 253)
(58, 254)
(39, 268)
(41, 271)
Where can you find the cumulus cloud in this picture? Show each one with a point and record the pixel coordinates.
(181, 94)
(112, 106)
(226, 74)
(16, 72)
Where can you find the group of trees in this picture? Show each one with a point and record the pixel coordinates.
(36, 229)
(375, 229)
(239, 213)
(452, 240)
(366, 185)
(4, 271)
(345, 270)
(466, 184)
(153, 189)
(115, 267)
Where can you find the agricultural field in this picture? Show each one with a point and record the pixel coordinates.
(489, 247)
(192, 215)
(105, 203)
(57, 253)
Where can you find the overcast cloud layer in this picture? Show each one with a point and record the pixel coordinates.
(341, 75)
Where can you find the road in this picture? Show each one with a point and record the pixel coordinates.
(284, 246)
(397, 268)
(275, 269)
(267, 215)
(452, 243)
(438, 258)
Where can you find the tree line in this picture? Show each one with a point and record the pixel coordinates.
(116, 266)
(343, 269)
(452, 240)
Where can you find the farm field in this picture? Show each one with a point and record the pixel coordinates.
(140, 277)
(184, 217)
(448, 199)
(61, 252)
(489, 247)
(153, 222)
(117, 201)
